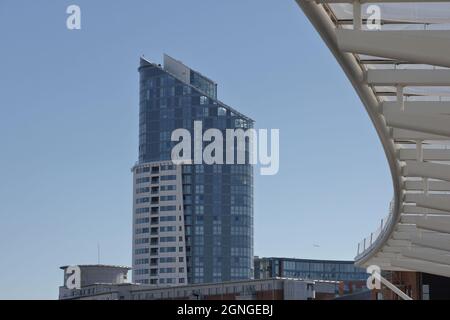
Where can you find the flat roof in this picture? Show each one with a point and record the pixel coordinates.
(305, 260)
(98, 266)
(146, 287)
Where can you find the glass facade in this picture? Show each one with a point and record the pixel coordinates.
(309, 269)
(217, 199)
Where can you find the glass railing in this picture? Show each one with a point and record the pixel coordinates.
(368, 242)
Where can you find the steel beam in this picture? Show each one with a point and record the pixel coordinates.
(417, 46)
(427, 170)
(408, 77)
(435, 125)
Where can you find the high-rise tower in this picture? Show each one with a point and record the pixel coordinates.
(191, 223)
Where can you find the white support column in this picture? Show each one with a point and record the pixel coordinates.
(357, 21)
(419, 150)
(426, 188)
(401, 97)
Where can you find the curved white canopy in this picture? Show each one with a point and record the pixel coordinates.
(401, 73)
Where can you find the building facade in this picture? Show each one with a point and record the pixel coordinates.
(106, 283)
(417, 285)
(352, 277)
(93, 279)
(192, 223)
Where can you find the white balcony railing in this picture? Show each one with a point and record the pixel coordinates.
(369, 241)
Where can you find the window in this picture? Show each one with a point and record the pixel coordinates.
(186, 90)
(142, 230)
(142, 241)
(168, 208)
(142, 220)
(167, 239)
(168, 187)
(167, 270)
(198, 272)
(142, 271)
(187, 199)
(203, 100)
(142, 200)
(142, 190)
(167, 167)
(168, 178)
(199, 210)
(199, 199)
(199, 230)
(221, 111)
(186, 189)
(168, 198)
(199, 188)
(217, 229)
(141, 251)
(142, 180)
(167, 229)
(168, 218)
(199, 168)
(142, 170)
(187, 179)
(142, 210)
(141, 261)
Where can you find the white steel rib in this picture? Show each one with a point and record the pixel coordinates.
(401, 71)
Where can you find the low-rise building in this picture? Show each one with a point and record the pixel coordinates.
(351, 277)
(93, 287)
(98, 280)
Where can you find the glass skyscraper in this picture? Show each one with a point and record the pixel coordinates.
(191, 223)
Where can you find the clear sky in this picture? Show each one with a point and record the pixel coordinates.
(69, 129)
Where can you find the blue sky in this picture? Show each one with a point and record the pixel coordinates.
(69, 129)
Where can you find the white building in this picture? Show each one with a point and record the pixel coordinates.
(102, 282)
(159, 251)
